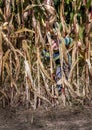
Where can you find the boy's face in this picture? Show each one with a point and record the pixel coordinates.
(54, 45)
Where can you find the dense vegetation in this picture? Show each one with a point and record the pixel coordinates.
(24, 76)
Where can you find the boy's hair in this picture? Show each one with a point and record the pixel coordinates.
(53, 37)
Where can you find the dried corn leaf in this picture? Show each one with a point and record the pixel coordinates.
(20, 53)
(62, 45)
(7, 8)
(2, 91)
(24, 30)
(14, 85)
(6, 65)
(72, 92)
(28, 71)
(71, 71)
(31, 6)
(47, 86)
(52, 12)
(6, 56)
(38, 94)
(2, 14)
(14, 51)
(26, 48)
(74, 54)
(44, 71)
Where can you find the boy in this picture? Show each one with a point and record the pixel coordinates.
(56, 57)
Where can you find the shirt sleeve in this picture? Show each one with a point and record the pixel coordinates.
(68, 41)
(45, 54)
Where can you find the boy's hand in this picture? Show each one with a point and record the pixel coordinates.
(79, 44)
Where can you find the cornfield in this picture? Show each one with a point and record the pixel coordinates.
(24, 76)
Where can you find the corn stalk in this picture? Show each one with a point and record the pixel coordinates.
(23, 28)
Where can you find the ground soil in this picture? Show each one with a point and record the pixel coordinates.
(52, 118)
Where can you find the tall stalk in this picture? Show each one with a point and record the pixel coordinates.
(38, 76)
(1, 52)
(86, 54)
(51, 59)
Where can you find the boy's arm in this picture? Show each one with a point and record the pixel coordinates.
(69, 42)
(45, 54)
